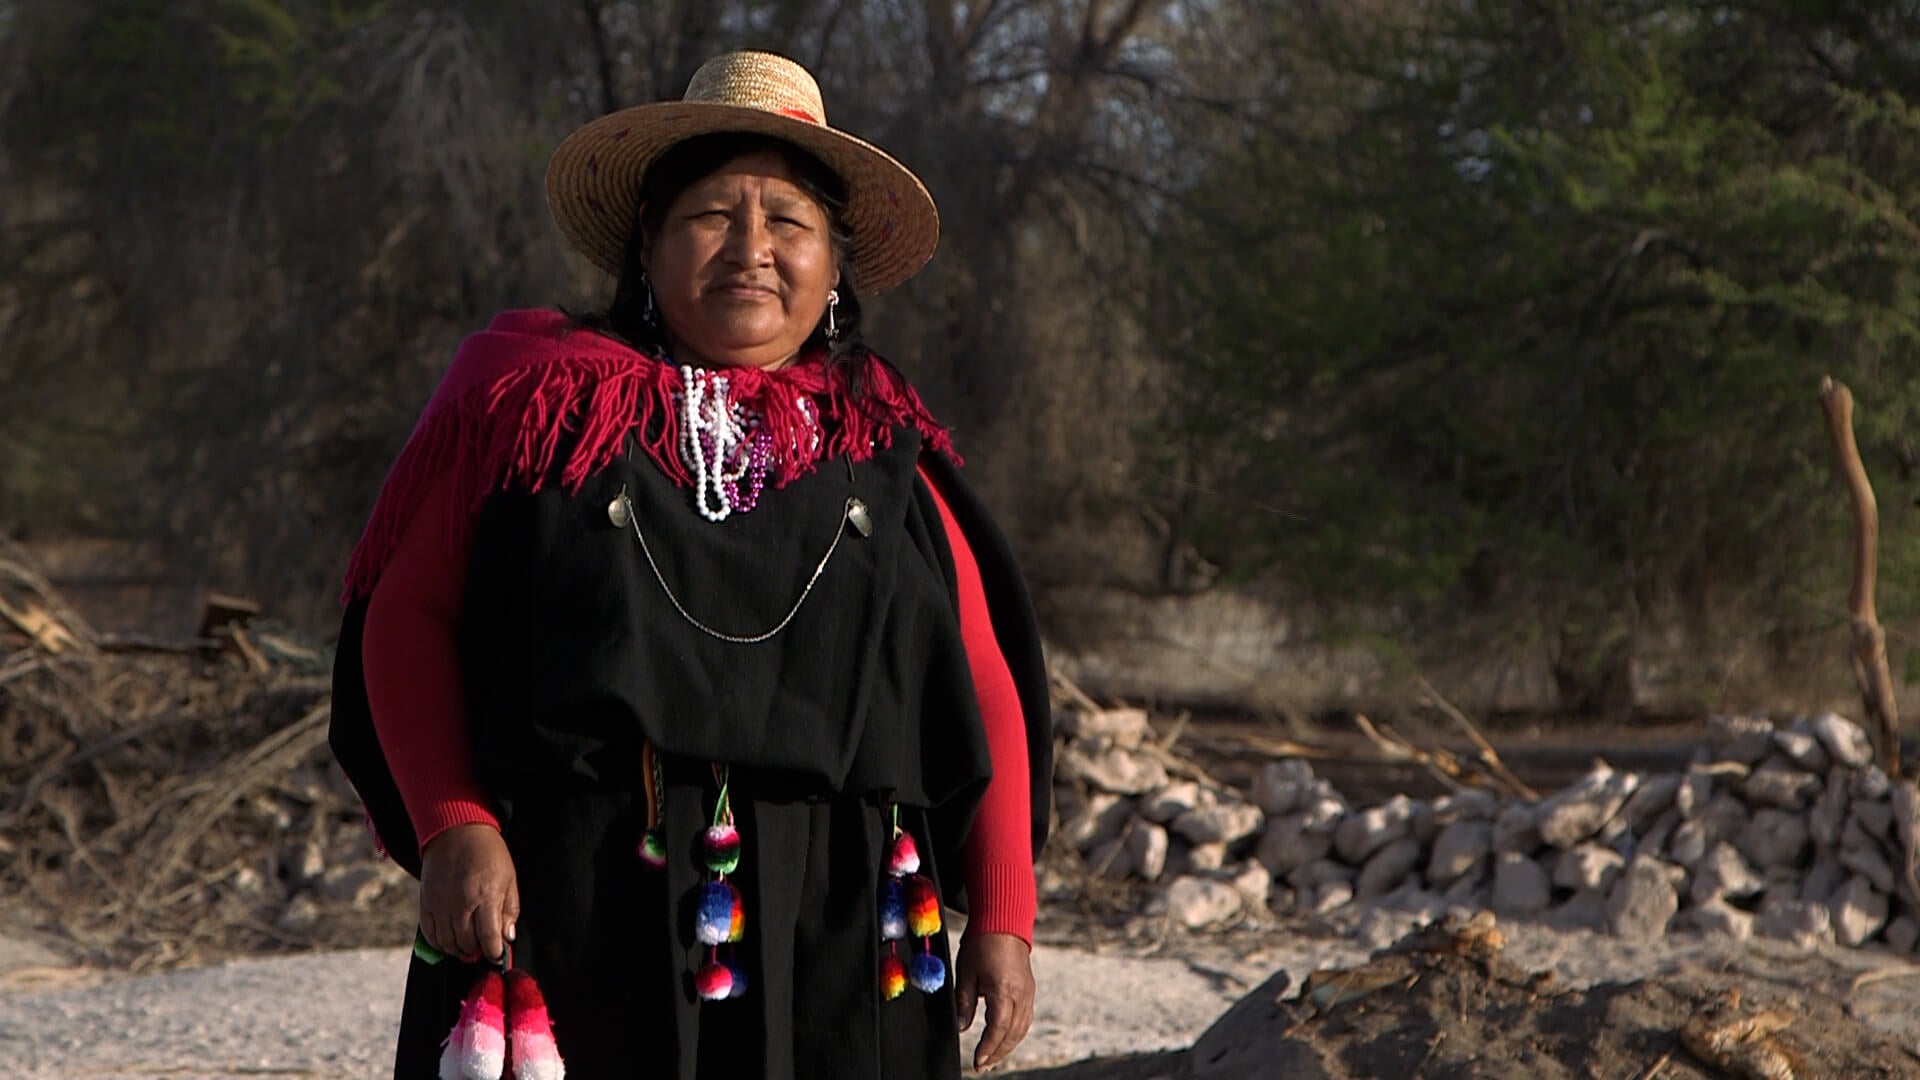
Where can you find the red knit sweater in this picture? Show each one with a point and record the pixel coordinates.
(419, 709)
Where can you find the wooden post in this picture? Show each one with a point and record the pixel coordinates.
(1869, 640)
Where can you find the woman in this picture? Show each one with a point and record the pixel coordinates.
(679, 661)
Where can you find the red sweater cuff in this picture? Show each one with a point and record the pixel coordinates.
(1001, 898)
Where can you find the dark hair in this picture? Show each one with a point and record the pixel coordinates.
(686, 164)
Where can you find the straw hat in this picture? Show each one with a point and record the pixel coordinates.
(593, 181)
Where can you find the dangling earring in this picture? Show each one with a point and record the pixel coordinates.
(648, 314)
(833, 301)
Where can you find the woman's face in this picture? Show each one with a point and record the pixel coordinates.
(741, 265)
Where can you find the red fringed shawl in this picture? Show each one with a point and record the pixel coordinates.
(515, 389)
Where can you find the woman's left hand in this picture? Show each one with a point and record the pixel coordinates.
(999, 968)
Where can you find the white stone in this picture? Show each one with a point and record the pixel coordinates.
(1800, 746)
(1288, 844)
(1774, 838)
(1099, 820)
(1724, 817)
(1520, 885)
(1658, 835)
(1147, 850)
(1643, 901)
(1779, 785)
(1581, 911)
(1459, 849)
(1226, 822)
(1653, 798)
(1694, 794)
(1577, 812)
(1473, 804)
(1719, 918)
(1331, 896)
(1387, 869)
(1858, 911)
(1871, 783)
(1207, 856)
(1745, 739)
(1255, 886)
(1804, 923)
(1844, 739)
(1689, 843)
(1114, 769)
(1122, 727)
(1324, 812)
(1163, 804)
(1829, 811)
(1516, 829)
(1282, 787)
(1587, 868)
(1319, 873)
(1869, 862)
(1723, 873)
(1200, 903)
(1367, 831)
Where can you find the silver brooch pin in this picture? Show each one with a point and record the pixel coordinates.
(859, 518)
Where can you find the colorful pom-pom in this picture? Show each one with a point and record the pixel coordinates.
(738, 987)
(736, 916)
(476, 1048)
(928, 972)
(893, 977)
(902, 857)
(714, 918)
(721, 846)
(714, 981)
(653, 849)
(893, 910)
(923, 907)
(535, 1055)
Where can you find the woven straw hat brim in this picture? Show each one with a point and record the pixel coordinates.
(593, 184)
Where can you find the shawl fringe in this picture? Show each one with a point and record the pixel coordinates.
(515, 391)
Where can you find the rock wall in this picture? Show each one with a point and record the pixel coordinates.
(1783, 830)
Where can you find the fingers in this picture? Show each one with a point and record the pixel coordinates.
(510, 910)
(1009, 1018)
(490, 931)
(966, 996)
(468, 941)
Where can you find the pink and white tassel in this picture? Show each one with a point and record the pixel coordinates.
(535, 1056)
(476, 1048)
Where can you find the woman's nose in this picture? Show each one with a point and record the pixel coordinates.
(749, 241)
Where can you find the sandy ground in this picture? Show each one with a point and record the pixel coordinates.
(333, 1014)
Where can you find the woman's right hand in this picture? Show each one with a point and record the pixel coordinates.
(469, 897)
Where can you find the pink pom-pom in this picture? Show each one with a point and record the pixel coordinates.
(714, 982)
(721, 846)
(535, 1055)
(476, 1048)
(903, 857)
(653, 850)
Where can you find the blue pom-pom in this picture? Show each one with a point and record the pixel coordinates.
(927, 972)
(893, 910)
(713, 922)
(739, 981)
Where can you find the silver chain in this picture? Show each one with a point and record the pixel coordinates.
(624, 501)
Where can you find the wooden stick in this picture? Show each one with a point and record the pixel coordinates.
(1488, 756)
(1653, 1070)
(1869, 640)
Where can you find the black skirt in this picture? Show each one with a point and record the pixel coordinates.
(611, 943)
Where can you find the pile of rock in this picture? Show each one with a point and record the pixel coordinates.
(1786, 831)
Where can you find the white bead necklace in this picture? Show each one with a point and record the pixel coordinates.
(713, 438)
